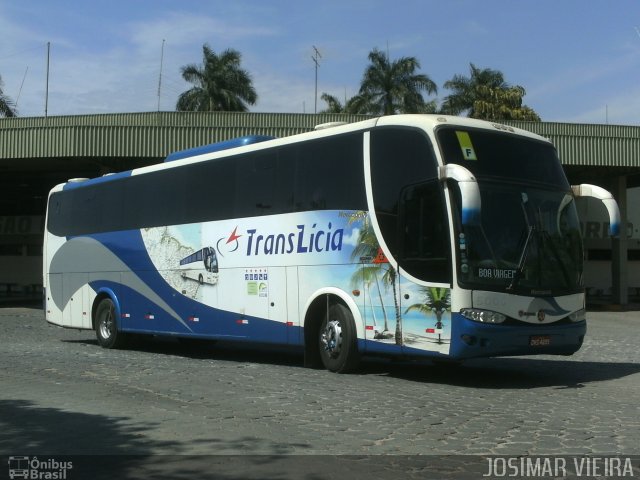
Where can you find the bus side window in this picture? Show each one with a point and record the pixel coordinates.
(255, 179)
(285, 178)
(408, 201)
(424, 250)
(329, 175)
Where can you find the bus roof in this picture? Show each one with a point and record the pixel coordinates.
(432, 121)
(428, 122)
(216, 147)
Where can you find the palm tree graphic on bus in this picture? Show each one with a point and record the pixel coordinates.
(435, 300)
(376, 269)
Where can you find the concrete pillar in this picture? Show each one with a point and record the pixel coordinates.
(619, 246)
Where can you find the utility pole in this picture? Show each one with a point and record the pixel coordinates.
(22, 85)
(315, 57)
(46, 95)
(160, 77)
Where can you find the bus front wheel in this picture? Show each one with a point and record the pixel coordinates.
(337, 340)
(107, 326)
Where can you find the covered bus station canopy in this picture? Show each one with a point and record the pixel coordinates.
(37, 153)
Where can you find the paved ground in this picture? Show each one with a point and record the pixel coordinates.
(61, 394)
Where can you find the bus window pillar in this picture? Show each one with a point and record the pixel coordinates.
(619, 246)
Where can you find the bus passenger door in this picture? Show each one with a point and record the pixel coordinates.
(292, 315)
(378, 299)
(426, 316)
(252, 302)
(277, 296)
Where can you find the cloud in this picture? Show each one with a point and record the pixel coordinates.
(577, 74)
(581, 90)
(119, 74)
(185, 29)
(106, 58)
(620, 109)
(352, 238)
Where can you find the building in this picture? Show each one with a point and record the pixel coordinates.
(37, 153)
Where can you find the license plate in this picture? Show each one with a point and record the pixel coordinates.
(540, 340)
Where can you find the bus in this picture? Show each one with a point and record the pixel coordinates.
(201, 266)
(406, 236)
(594, 222)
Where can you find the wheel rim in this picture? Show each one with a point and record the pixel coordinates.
(331, 338)
(107, 324)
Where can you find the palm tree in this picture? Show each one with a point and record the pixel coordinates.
(368, 274)
(390, 87)
(220, 84)
(355, 104)
(366, 251)
(485, 94)
(436, 300)
(465, 89)
(503, 104)
(7, 106)
(334, 105)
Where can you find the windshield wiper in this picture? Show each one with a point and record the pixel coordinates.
(524, 203)
(523, 259)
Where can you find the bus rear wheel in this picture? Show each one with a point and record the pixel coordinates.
(337, 340)
(107, 326)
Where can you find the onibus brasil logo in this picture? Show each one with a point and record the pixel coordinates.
(34, 468)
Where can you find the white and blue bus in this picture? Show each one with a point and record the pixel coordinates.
(407, 235)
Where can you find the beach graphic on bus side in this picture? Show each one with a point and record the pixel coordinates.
(338, 250)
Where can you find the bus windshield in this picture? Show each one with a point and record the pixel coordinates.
(528, 241)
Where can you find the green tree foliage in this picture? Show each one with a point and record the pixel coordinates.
(219, 84)
(390, 87)
(334, 105)
(7, 106)
(503, 104)
(486, 95)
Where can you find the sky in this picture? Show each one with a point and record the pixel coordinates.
(579, 60)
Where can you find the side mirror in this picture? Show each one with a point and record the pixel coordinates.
(469, 191)
(586, 190)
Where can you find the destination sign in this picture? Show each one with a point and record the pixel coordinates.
(495, 273)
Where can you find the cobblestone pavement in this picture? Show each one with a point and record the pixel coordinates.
(60, 393)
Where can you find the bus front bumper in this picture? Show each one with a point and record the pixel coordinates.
(473, 339)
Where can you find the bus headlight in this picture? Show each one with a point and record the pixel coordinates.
(578, 316)
(482, 316)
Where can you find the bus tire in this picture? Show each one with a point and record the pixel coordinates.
(337, 340)
(107, 326)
